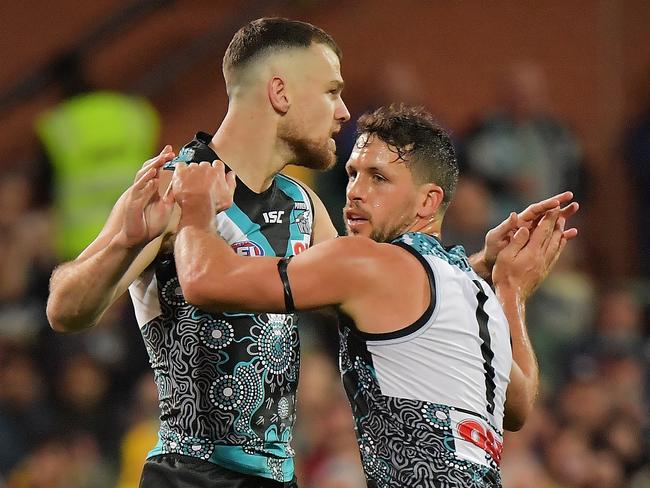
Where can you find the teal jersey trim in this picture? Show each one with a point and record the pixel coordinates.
(426, 244)
(235, 458)
(301, 215)
(250, 228)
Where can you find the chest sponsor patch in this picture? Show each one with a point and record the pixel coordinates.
(475, 440)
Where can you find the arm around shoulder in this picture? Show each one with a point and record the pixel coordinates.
(214, 278)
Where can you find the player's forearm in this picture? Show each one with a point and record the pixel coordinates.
(194, 249)
(203, 260)
(519, 401)
(214, 278)
(82, 290)
(523, 354)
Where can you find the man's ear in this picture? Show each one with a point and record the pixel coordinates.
(278, 96)
(431, 200)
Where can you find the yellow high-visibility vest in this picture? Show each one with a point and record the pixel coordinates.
(96, 143)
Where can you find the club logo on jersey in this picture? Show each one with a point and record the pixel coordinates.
(303, 217)
(247, 248)
(273, 217)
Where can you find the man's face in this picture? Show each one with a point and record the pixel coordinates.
(317, 110)
(381, 196)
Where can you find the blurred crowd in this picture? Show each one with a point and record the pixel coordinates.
(80, 410)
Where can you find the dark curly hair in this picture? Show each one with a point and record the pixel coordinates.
(417, 140)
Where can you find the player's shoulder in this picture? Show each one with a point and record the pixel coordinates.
(364, 249)
(429, 245)
(284, 180)
(354, 243)
(323, 228)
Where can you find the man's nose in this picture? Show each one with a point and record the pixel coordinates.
(342, 113)
(356, 190)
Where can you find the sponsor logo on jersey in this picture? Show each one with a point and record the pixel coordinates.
(273, 217)
(474, 438)
(247, 248)
(299, 246)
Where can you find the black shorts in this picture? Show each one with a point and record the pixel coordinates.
(178, 471)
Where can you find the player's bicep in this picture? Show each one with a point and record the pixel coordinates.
(324, 275)
(257, 285)
(249, 285)
(328, 274)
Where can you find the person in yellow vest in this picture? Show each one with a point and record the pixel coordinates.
(95, 142)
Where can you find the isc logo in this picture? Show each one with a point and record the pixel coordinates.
(273, 217)
(247, 248)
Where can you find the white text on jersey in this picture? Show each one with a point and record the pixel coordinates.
(273, 217)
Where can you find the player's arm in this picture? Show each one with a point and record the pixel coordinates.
(519, 269)
(519, 398)
(524, 375)
(498, 238)
(214, 278)
(83, 289)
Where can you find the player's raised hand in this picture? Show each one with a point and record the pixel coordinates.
(530, 255)
(531, 216)
(147, 214)
(499, 237)
(202, 190)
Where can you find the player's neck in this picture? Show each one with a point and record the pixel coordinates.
(430, 226)
(247, 144)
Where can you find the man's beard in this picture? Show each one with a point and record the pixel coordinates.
(310, 154)
(387, 234)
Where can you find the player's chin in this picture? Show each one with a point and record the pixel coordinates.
(328, 163)
(324, 161)
(356, 231)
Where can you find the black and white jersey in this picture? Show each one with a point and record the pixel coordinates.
(227, 382)
(428, 400)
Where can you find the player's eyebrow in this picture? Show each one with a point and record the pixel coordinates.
(338, 84)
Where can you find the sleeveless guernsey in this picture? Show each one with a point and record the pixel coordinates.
(428, 400)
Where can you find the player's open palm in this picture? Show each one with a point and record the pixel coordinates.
(526, 261)
(146, 213)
